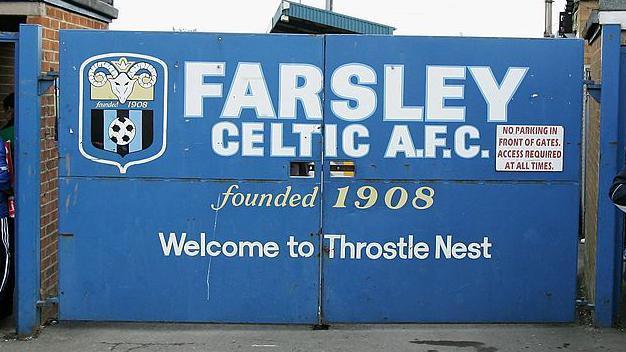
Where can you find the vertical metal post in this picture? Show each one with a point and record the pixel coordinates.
(329, 5)
(27, 185)
(548, 12)
(610, 219)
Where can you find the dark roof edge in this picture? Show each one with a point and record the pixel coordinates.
(99, 9)
(341, 15)
(284, 10)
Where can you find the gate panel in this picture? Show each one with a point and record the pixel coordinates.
(491, 235)
(177, 174)
(454, 163)
(114, 267)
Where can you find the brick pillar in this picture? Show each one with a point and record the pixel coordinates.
(592, 162)
(53, 20)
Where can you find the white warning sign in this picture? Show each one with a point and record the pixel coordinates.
(529, 148)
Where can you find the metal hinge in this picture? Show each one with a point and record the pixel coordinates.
(48, 302)
(46, 81)
(583, 303)
(594, 89)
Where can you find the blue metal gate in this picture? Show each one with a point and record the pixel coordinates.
(122, 222)
(431, 176)
(309, 179)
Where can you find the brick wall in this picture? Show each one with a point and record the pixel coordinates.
(54, 20)
(592, 153)
(585, 7)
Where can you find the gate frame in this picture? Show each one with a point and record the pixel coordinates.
(610, 223)
(27, 178)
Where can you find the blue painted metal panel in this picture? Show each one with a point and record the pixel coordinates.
(112, 263)
(113, 267)
(530, 218)
(610, 236)
(187, 143)
(537, 101)
(27, 187)
(115, 202)
(530, 277)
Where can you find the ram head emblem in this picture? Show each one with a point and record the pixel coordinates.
(123, 77)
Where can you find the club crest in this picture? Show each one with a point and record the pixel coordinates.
(123, 109)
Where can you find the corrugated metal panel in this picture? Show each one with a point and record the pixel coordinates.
(332, 19)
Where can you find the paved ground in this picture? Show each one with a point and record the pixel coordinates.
(84, 337)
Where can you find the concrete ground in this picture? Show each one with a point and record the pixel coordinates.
(88, 337)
